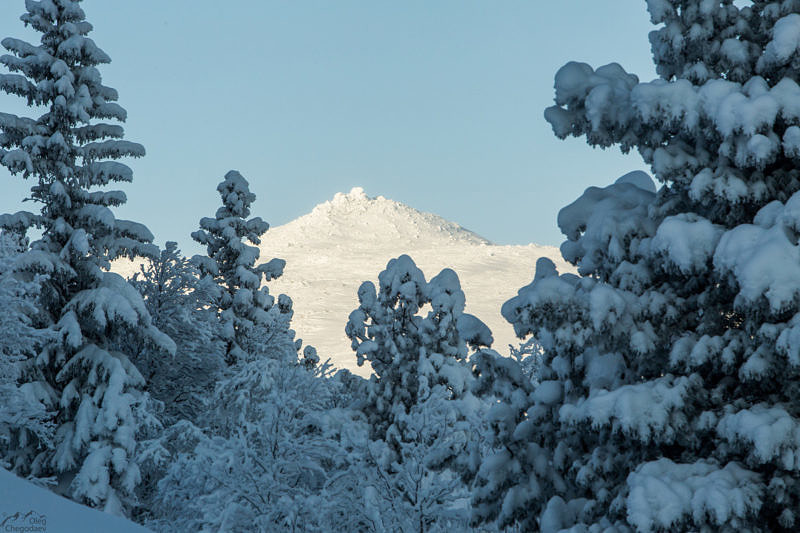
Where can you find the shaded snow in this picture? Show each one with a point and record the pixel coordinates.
(770, 431)
(59, 514)
(643, 409)
(662, 493)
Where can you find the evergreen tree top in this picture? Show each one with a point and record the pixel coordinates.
(69, 149)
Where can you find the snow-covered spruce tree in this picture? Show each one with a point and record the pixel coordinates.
(251, 321)
(68, 152)
(179, 304)
(418, 401)
(669, 397)
(24, 421)
(530, 444)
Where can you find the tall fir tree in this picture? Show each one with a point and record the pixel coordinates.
(69, 153)
(251, 321)
(669, 396)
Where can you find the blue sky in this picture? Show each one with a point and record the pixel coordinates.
(437, 104)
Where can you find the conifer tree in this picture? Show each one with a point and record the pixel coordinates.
(68, 152)
(411, 354)
(247, 311)
(418, 402)
(24, 421)
(668, 398)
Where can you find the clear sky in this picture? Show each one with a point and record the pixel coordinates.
(437, 104)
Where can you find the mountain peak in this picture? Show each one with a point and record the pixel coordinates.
(348, 239)
(356, 194)
(355, 217)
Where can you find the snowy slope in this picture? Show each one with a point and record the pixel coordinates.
(26, 507)
(350, 238)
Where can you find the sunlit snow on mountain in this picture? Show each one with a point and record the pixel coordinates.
(350, 238)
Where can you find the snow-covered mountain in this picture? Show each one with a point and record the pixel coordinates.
(360, 222)
(342, 242)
